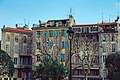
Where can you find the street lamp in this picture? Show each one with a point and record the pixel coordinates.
(70, 32)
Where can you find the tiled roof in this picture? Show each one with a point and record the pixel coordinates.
(18, 30)
(97, 24)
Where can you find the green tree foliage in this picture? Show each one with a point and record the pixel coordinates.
(50, 69)
(113, 65)
(6, 64)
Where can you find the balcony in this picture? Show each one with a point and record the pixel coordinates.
(82, 76)
(25, 55)
(25, 66)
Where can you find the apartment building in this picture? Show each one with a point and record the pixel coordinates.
(50, 38)
(90, 46)
(17, 42)
(93, 43)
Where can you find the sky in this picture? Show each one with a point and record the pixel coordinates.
(31, 11)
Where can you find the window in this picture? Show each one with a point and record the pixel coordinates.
(113, 37)
(14, 78)
(16, 38)
(7, 48)
(38, 58)
(113, 47)
(38, 34)
(25, 49)
(104, 47)
(82, 30)
(104, 37)
(21, 61)
(50, 44)
(59, 23)
(63, 44)
(62, 32)
(5, 78)
(16, 49)
(50, 32)
(87, 29)
(79, 30)
(94, 28)
(24, 39)
(62, 57)
(38, 45)
(50, 57)
(66, 24)
(104, 58)
(96, 59)
(26, 61)
(15, 60)
(77, 58)
(8, 37)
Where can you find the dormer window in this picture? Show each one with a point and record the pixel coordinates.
(38, 34)
(59, 24)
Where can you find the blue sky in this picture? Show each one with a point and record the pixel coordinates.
(84, 11)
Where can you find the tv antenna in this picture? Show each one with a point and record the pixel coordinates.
(70, 11)
(102, 17)
(24, 21)
(118, 7)
(117, 11)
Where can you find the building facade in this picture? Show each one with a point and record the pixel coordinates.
(90, 46)
(17, 42)
(93, 43)
(50, 38)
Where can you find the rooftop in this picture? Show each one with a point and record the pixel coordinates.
(18, 30)
(97, 24)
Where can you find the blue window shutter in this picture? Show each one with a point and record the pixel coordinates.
(16, 49)
(25, 49)
(65, 32)
(58, 33)
(46, 33)
(51, 44)
(50, 57)
(53, 33)
(18, 60)
(62, 57)
(48, 44)
(66, 44)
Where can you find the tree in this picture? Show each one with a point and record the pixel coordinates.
(6, 64)
(85, 48)
(113, 66)
(50, 68)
